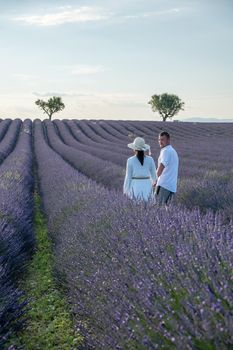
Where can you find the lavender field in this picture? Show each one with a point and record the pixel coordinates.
(135, 277)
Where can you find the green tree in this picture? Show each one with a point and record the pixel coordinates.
(53, 105)
(167, 105)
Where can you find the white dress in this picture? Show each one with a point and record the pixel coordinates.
(139, 178)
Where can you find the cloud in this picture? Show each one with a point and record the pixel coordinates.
(86, 70)
(50, 94)
(96, 98)
(172, 11)
(22, 76)
(119, 98)
(66, 7)
(69, 14)
(66, 15)
(163, 12)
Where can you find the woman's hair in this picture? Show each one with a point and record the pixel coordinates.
(140, 156)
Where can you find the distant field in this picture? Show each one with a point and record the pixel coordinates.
(135, 277)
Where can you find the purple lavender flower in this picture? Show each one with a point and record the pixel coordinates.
(136, 276)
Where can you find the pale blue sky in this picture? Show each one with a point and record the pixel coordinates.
(107, 58)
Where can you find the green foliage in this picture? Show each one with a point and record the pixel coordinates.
(49, 322)
(204, 345)
(167, 105)
(53, 105)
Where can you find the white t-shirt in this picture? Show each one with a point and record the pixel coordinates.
(169, 158)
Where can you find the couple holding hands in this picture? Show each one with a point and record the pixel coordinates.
(142, 180)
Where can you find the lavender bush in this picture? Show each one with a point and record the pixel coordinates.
(4, 125)
(102, 153)
(90, 132)
(102, 171)
(138, 278)
(99, 130)
(213, 191)
(111, 142)
(81, 137)
(195, 165)
(16, 229)
(10, 138)
(107, 127)
(198, 153)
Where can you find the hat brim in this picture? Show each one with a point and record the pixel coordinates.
(132, 146)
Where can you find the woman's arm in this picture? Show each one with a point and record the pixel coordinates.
(128, 178)
(153, 172)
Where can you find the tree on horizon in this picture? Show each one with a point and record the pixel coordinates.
(167, 105)
(53, 105)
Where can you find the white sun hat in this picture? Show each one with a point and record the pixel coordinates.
(139, 145)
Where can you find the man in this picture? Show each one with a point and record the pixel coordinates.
(167, 171)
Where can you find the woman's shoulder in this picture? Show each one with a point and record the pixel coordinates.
(149, 158)
(131, 159)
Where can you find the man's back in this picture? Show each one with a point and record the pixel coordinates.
(169, 158)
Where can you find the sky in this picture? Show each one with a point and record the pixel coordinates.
(107, 58)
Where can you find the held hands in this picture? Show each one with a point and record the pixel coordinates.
(154, 186)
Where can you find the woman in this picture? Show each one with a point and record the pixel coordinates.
(140, 172)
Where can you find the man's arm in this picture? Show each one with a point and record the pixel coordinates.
(160, 169)
(159, 172)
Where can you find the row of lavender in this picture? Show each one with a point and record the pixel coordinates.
(137, 279)
(207, 184)
(206, 172)
(112, 132)
(8, 145)
(16, 220)
(194, 154)
(9, 131)
(114, 138)
(205, 150)
(196, 151)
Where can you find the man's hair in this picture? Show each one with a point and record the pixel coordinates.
(165, 133)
